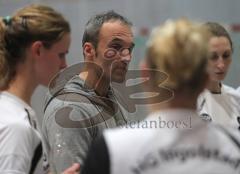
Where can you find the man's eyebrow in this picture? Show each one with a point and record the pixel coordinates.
(121, 41)
(117, 40)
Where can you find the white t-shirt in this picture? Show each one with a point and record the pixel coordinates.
(222, 108)
(238, 89)
(19, 139)
(191, 147)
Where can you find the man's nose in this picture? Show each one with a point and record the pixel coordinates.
(127, 58)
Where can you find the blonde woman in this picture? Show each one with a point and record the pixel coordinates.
(173, 139)
(33, 45)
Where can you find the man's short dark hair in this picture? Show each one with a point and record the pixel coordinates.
(93, 26)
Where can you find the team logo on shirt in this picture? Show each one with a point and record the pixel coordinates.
(205, 117)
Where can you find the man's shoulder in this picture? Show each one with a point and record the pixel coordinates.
(70, 109)
(66, 98)
(71, 91)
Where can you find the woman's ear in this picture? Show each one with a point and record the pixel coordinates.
(36, 48)
(88, 51)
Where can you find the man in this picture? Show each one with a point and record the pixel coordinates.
(87, 104)
(179, 141)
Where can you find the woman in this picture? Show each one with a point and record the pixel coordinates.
(34, 42)
(173, 139)
(219, 103)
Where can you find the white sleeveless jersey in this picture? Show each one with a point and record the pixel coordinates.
(173, 142)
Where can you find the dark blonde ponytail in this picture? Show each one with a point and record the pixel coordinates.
(29, 24)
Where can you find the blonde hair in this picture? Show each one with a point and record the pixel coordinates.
(180, 49)
(29, 24)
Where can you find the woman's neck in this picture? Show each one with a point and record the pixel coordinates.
(214, 87)
(23, 84)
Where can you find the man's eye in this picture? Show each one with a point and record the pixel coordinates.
(116, 47)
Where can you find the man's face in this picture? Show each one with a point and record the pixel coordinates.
(114, 50)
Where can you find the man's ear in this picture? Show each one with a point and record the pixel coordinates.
(36, 48)
(88, 51)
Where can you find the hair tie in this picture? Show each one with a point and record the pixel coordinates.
(7, 20)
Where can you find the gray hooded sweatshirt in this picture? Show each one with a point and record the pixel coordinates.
(74, 117)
